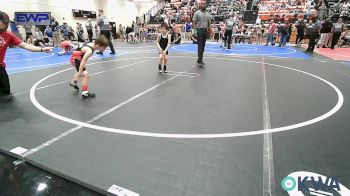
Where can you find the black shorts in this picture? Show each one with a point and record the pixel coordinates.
(77, 65)
(167, 52)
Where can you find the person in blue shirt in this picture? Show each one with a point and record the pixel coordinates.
(188, 28)
(15, 31)
(48, 33)
(64, 29)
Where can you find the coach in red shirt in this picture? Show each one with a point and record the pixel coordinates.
(7, 39)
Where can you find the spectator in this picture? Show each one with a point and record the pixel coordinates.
(300, 32)
(137, 31)
(128, 31)
(121, 32)
(228, 32)
(338, 28)
(49, 34)
(55, 32)
(64, 29)
(28, 30)
(271, 32)
(71, 33)
(322, 12)
(289, 30)
(80, 32)
(89, 28)
(284, 31)
(14, 30)
(39, 37)
(345, 38)
(175, 37)
(326, 29)
(30, 40)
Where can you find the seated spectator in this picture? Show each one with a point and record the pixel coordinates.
(30, 40)
(128, 31)
(345, 38)
(39, 37)
(175, 37)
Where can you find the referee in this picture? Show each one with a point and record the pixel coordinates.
(201, 22)
(105, 29)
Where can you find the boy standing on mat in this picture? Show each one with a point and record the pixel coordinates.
(7, 39)
(163, 43)
(79, 59)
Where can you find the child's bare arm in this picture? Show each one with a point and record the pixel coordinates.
(33, 48)
(169, 42)
(83, 62)
(158, 39)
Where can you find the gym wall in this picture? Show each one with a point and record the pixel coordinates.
(119, 11)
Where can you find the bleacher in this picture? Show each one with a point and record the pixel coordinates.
(221, 10)
(180, 11)
(338, 8)
(284, 9)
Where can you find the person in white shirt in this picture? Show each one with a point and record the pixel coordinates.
(39, 37)
(89, 28)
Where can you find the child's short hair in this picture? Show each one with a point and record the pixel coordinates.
(164, 25)
(102, 41)
(66, 38)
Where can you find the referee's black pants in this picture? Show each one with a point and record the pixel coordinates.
(108, 35)
(228, 38)
(312, 42)
(4, 81)
(201, 39)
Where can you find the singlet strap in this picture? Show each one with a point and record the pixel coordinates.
(89, 47)
(82, 46)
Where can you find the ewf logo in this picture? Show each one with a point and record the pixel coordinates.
(33, 18)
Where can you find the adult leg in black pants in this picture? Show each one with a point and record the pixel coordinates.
(4, 85)
(201, 39)
(312, 42)
(90, 35)
(80, 38)
(335, 39)
(298, 39)
(108, 36)
(228, 38)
